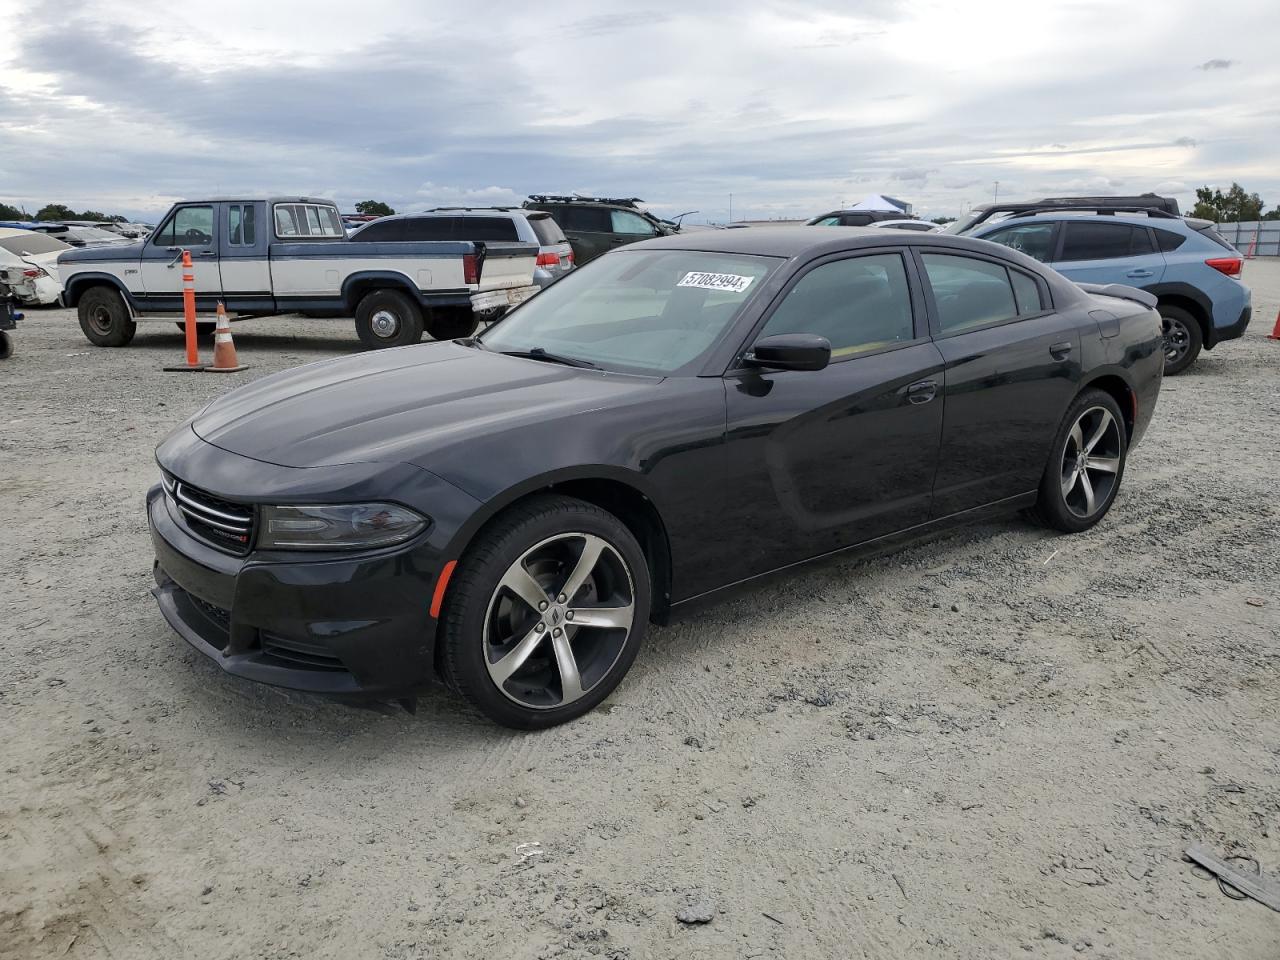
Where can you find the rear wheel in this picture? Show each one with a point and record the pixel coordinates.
(387, 318)
(1085, 466)
(451, 323)
(6, 346)
(1182, 338)
(105, 319)
(546, 613)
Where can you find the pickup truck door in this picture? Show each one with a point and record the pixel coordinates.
(191, 227)
(245, 263)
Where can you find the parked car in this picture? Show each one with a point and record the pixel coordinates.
(998, 211)
(286, 254)
(676, 418)
(30, 262)
(9, 316)
(853, 218)
(483, 224)
(87, 236)
(921, 226)
(1185, 263)
(596, 225)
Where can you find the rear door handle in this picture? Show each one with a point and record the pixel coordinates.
(922, 391)
(1060, 351)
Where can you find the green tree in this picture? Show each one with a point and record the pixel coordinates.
(1233, 206)
(56, 211)
(943, 221)
(11, 213)
(91, 215)
(374, 208)
(1272, 214)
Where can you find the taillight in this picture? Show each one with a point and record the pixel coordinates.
(34, 274)
(470, 271)
(1231, 266)
(548, 260)
(571, 256)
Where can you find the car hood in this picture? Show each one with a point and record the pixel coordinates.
(103, 251)
(401, 405)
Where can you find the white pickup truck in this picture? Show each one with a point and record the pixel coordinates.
(262, 257)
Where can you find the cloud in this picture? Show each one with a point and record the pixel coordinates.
(1216, 64)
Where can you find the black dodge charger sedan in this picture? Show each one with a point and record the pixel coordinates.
(509, 512)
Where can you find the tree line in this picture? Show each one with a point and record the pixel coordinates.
(57, 211)
(1234, 206)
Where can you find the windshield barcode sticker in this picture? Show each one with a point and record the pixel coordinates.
(716, 281)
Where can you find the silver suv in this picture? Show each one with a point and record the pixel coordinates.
(493, 224)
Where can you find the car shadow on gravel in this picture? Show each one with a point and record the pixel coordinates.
(247, 343)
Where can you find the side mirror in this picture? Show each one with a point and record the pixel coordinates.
(790, 351)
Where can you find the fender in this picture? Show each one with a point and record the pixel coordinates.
(1187, 292)
(378, 279)
(80, 282)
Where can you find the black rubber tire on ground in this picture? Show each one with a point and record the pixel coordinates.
(1051, 508)
(1179, 321)
(6, 346)
(388, 318)
(203, 330)
(104, 318)
(451, 323)
(499, 545)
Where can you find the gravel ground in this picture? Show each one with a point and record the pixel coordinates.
(995, 744)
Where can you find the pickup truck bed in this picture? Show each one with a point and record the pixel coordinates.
(249, 255)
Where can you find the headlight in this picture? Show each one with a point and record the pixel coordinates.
(338, 527)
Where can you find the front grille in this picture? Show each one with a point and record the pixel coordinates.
(220, 523)
(299, 653)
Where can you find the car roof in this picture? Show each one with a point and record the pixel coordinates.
(1050, 216)
(799, 241)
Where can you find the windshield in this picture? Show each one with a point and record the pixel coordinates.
(30, 242)
(967, 220)
(647, 311)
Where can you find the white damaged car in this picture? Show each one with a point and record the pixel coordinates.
(29, 261)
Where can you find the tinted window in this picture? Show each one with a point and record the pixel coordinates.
(1027, 291)
(858, 304)
(546, 230)
(428, 228)
(1168, 240)
(1096, 241)
(856, 219)
(384, 231)
(828, 222)
(969, 293)
(240, 225)
(189, 227)
(1033, 239)
(484, 228)
(1141, 245)
(586, 219)
(631, 223)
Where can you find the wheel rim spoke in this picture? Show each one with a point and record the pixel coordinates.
(1069, 483)
(1105, 464)
(1077, 437)
(592, 547)
(513, 661)
(519, 582)
(1090, 501)
(570, 680)
(603, 616)
(1104, 423)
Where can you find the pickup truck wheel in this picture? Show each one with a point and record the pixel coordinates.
(451, 323)
(203, 330)
(105, 319)
(1182, 338)
(387, 318)
(6, 346)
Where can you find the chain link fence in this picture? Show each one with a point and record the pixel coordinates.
(1262, 235)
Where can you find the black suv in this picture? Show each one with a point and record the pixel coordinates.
(596, 225)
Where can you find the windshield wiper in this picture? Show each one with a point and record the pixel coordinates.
(537, 353)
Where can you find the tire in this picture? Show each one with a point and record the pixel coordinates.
(6, 346)
(537, 546)
(1182, 338)
(452, 323)
(203, 330)
(1074, 495)
(105, 319)
(387, 318)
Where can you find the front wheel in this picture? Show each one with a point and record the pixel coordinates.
(105, 319)
(6, 346)
(546, 612)
(1085, 466)
(1182, 338)
(387, 318)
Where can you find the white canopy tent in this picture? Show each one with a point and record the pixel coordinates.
(875, 201)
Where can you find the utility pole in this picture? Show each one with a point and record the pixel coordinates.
(995, 194)
(731, 208)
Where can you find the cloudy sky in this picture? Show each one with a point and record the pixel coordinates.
(790, 107)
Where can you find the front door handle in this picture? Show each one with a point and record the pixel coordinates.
(922, 391)
(1138, 273)
(208, 253)
(1060, 351)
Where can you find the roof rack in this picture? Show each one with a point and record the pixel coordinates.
(1096, 208)
(1150, 203)
(577, 198)
(500, 209)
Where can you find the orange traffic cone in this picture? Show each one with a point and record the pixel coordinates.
(224, 348)
(1275, 334)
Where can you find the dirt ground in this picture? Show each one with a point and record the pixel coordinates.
(996, 744)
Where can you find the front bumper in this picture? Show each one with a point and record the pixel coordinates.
(355, 626)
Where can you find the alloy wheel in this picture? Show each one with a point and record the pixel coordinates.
(558, 620)
(1177, 340)
(384, 324)
(1091, 462)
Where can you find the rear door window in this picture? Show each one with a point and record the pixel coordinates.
(241, 229)
(427, 228)
(1033, 239)
(546, 230)
(492, 229)
(584, 219)
(1098, 241)
(969, 293)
